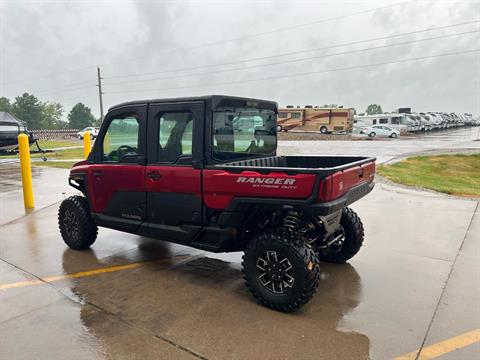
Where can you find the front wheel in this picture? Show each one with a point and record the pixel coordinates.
(394, 135)
(76, 224)
(279, 128)
(281, 270)
(323, 129)
(345, 242)
(372, 134)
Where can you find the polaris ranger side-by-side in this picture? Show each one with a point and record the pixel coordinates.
(203, 172)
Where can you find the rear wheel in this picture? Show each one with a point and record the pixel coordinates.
(76, 223)
(279, 128)
(323, 129)
(345, 242)
(281, 270)
(372, 134)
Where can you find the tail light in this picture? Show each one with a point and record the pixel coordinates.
(331, 187)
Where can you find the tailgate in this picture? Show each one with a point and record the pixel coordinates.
(340, 182)
(220, 187)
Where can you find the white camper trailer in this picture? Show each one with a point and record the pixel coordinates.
(400, 122)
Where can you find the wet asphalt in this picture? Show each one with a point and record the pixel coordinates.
(416, 281)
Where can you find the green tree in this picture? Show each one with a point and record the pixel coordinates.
(52, 116)
(29, 109)
(80, 117)
(98, 122)
(373, 109)
(5, 104)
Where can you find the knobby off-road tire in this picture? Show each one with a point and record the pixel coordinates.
(283, 258)
(76, 223)
(352, 227)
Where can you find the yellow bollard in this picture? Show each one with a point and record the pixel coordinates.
(86, 144)
(26, 170)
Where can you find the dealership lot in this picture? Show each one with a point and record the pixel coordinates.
(457, 140)
(415, 284)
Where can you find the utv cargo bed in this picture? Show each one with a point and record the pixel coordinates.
(321, 165)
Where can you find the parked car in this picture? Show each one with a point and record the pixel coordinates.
(93, 132)
(380, 130)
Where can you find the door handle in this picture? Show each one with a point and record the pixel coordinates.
(154, 175)
(98, 174)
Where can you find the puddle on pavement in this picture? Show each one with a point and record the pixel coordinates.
(205, 294)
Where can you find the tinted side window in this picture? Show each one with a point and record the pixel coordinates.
(120, 139)
(383, 121)
(374, 121)
(175, 135)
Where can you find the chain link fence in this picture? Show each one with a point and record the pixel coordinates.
(54, 134)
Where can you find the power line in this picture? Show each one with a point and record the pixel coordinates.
(26, 80)
(298, 51)
(66, 86)
(216, 43)
(79, 97)
(65, 90)
(295, 60)
(305, 73)
(221, 42)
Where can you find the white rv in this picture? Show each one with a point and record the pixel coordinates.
(400, 122)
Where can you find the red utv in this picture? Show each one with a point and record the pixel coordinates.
(203, 172)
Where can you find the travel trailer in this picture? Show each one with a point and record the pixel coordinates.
(400, 122)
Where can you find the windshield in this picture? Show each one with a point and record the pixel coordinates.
(243, 132)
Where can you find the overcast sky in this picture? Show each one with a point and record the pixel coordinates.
(143, 48)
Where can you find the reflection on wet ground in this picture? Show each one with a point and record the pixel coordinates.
(49, 187)
(409, 283)
(10, 179)
(203, 304)
(182, 302)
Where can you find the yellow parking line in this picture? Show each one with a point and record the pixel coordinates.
(80, 274)
(444, 347)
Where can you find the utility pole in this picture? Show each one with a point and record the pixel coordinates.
(100, 93)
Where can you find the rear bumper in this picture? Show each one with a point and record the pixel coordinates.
(348, 198)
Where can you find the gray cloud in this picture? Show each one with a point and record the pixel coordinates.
(50, 45)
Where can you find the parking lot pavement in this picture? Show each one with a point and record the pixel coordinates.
(462, 292)
(132, 297)
(49, 185)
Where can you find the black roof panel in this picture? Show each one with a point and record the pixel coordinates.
(212, 98)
